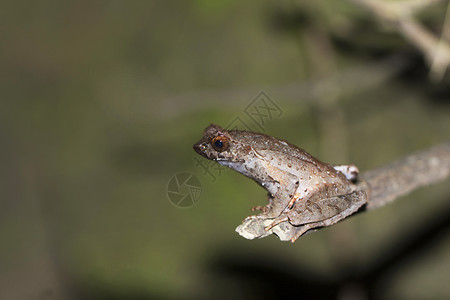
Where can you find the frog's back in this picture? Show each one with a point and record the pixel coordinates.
(260, 141)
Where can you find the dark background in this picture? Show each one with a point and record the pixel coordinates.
(101, 102)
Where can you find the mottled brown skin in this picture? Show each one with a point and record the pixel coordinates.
(302, 189)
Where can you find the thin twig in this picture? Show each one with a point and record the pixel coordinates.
(399, 15)
(438, 67)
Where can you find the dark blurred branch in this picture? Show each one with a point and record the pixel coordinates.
(385, 184)
(351, 81)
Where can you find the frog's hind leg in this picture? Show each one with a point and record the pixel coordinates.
(302, 229)
(338, 209)
(276, 221)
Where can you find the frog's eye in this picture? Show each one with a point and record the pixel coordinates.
(220, 143)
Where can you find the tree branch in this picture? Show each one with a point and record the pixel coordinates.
(383, 185)
(399, 178)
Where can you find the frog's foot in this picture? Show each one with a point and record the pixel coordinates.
(276, 221)
(302, 230)
(263, 209)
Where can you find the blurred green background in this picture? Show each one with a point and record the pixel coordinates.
(102, 101)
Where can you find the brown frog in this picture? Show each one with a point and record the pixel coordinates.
(302, 189)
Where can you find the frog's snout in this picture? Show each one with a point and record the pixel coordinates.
(200, 148)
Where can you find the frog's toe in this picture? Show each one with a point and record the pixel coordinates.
(263, 209)
(276, 222)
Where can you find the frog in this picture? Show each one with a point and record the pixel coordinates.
(302, 190)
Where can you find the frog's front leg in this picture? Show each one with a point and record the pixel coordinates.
(287, 185)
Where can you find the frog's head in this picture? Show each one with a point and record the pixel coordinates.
(217, 144)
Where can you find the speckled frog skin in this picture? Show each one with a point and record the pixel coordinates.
(302, 189)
